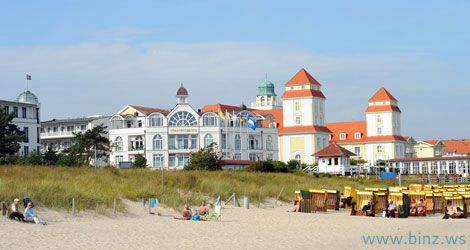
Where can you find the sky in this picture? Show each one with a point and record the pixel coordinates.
(95, 57)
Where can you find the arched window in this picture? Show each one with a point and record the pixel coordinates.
(269, 143)
(210, 120)
(118, 144)
(182, 118)
(263, 101)
(157, 142)
(155, 120)
(238, 142)
(208, 139)
(138, 143)
(298, 158)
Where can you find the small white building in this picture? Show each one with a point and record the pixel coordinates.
(334, 159)
(167, 137)
(26, 108)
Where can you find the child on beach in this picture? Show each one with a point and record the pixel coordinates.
(31, 216)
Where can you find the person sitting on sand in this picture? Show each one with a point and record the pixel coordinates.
(452, 212)
(15, 211)
(296, 207)
(391, 209)
(342, 201)
(413, 207)
(203, 209)
(368, 206)
(422, 207)
(187, 213)
(30, 216)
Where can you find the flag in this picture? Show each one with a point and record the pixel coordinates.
(28, 77)
(242, 121)
(222, 115)
(251, 123)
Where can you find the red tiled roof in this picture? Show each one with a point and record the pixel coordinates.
(382, 95)
(147, 110)
(277, 113)
(382, 108)
(333, 150)
(432, 142)
(349, 128)
(221, 107)
(433, 158)
(302, 77)
(302, 93)
(457, 146)
(302, 129)
(384, 138)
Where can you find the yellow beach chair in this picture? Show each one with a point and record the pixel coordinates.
(349, 192)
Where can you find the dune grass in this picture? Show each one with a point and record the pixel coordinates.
(96, 189)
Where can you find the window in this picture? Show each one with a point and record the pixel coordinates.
(119, 159)
(379, 149)
(379, 119)
(26, 151)
(357, 135)
(297, 106)
(237, 156)
(182, 160)
(292, 88)
(26, 134)
(303, 86)
(182, 118)
(70, 128)
(208, 139)
(210, 120)
(48, 129)
(379, 131)
(157, 142)
(118, 143)
(298, 158)
(157, 160)
(342, 136)
(23, 111)
(137, 143)
(172, 160)
(139, 124)
(269, 156)
(182, 142)
(224, 141)
(324, 142)
(129, 124)
(253, 142)
(269, 143)
(15, 111)
(55, 129)
(6, 110)
(238, 142)
(253, 157)
(155, 120)
(42, 130)
(297, 120)
(357, 151)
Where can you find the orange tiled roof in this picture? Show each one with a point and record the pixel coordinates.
(350, 128)
(277, 113)
(457, 146)
(302, 77)
(147, 110)
(382, 95)
(432, 142)
(221, 107)
(302, 93)
(381, 108)
(333, 150)
(302, 129)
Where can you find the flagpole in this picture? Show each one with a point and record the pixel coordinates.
(226, 135)
(248, 135)
(241, 139)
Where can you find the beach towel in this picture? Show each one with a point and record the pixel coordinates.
(152, 202)
(178, 218)
(196, 217)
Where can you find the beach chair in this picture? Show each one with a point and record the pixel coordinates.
(396, 189)
(417, 196)
(306, 201)
(430, 203)
(416, 187)
(427, 187)
(333, 199)
(457, 201)
(5, 208)
(401, 199)
(437, 202)
(362, 199)
(466, 199)
(217, 213)
(349, 192)
(380, 201)
(320, 199)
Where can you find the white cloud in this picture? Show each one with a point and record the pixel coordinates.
(93, 78)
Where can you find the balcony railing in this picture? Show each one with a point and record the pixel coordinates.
(136, 148)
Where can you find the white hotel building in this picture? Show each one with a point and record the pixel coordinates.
(166, 137)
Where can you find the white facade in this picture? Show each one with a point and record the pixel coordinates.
(166, 138)
(334, 165)
(27, 119)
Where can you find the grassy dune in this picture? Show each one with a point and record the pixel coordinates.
(97, 188)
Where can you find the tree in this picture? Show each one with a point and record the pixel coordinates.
(10, 135)
(293, 165)
(33, 159)
(205, 159)
(261, 166)
(139, 161)
(50, 157)
(354, 162)
(89, 142)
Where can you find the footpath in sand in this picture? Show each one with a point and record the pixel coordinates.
(268, 227)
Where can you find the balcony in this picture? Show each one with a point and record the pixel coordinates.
(136, 148)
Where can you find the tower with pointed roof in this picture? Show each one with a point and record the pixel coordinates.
(303, 131)
(383, 115)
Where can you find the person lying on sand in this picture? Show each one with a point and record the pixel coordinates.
(30, 216)
(187, 213)
(203, 209)
(15, 211)
(452, 212)
(296, 207)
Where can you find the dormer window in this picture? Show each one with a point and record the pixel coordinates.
(303, 86)
(357, 135)
(330, 137)
(342, 136)
(292, 88)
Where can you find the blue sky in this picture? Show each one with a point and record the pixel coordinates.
(94, 57)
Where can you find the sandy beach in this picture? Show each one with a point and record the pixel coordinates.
(268, 227)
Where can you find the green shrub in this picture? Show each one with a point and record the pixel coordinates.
(139, 161)
(261, 166)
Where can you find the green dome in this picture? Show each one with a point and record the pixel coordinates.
(27, 97)
(266, 88)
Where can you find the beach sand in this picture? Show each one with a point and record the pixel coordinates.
(268, 227)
